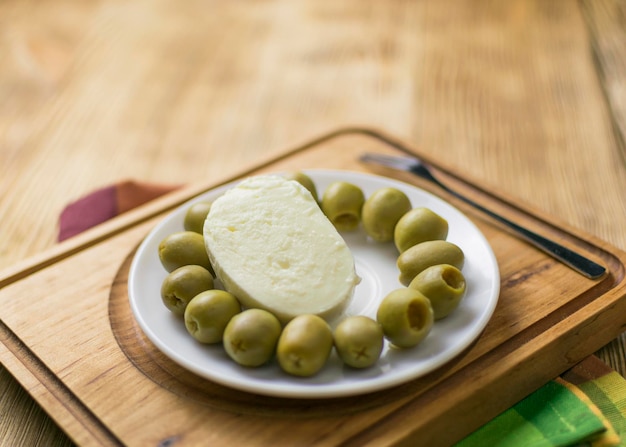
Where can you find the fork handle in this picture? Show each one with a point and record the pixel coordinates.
(576, 261)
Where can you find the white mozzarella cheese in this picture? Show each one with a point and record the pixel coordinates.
(272, 247)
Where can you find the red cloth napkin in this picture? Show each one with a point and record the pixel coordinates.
(106, 203)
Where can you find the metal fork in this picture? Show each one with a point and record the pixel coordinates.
(570, 258)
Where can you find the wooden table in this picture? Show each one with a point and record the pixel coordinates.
(527, 96)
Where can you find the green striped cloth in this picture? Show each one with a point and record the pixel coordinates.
(586, 406)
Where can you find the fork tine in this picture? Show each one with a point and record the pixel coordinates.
(404, 163)
(393, 161)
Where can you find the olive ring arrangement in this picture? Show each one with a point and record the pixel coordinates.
(407, 247)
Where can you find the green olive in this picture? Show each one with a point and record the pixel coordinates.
(208, 313)
(342, 203)
(382, 211)
(419, 225)
(304, 180)
(182, 284)
(184, 248)
(406, 317)
(304, 345)
(443, 285)
(195, 216)
(359, 341)
(425, 254)
(250, 337)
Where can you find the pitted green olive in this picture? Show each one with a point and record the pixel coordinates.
(419, 225)
(358, 341)
(342, 203)
(182, 284)
(305, 181)
(443, 285)
(195, 216)
(304, 345)
(382, 211)
(184, 248)
(406, 317)
(208, 313)
(425, 254)
(250, 337)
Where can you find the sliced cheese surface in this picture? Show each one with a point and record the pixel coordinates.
(272, 247)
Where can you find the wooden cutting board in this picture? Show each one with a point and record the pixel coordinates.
(69, 337)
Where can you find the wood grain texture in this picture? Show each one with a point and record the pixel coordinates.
(526, 96)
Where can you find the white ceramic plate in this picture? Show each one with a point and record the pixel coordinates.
(375, 264)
